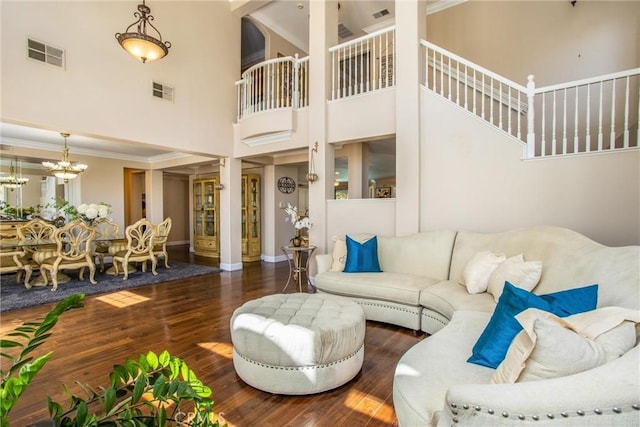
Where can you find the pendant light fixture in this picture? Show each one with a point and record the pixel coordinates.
(141, 45)
(12, 181)
(64, 169)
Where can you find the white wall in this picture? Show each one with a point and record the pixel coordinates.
(104, 91)
(473, 178)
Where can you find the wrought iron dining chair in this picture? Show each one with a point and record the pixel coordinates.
(160, 240)
(140, 237)
(106, 230)
(39, 232)
(73, 252)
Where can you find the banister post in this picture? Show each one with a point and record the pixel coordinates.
(296, 82)
(531, 135)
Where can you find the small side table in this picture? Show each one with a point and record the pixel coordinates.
(296, 267)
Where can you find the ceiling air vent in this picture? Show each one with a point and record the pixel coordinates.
(160, 90)
(381, 13)
(45, 53)
(344, 31)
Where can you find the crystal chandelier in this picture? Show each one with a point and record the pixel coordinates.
(12, 181)
(140, 44)
(64, 169)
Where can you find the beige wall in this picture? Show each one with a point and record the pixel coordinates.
(104, 91)
(550, 39)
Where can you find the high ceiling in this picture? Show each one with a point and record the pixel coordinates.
(289, 18)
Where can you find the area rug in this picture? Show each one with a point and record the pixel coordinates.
(14, 296)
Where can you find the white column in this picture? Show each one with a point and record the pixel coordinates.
(230, 210)
(270, 214)
(411, 23)
(154, 195)
(323, 33)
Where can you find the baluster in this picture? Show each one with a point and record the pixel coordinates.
(553, 125)
(576, 138)
(369, 60)
(600, 112)
(466, 87)
(483, 95)
(449, 77)
(393, 57)
(531, 135)
(564, 124)
(500, 105)
(612, 137)
(588, 120)
(457, 83)
(296, 83)
(333, 75)
(350, 78)
(441, 74)
(518, 115)
(491, 100)
(544, 125)
(626, 116)
(252, 90)
(435, 65)
(343, 73)
(474, 88)
(380, 62)
(509, 109)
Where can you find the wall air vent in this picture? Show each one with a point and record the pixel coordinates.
(381, 13)
(160, 90)
(45, 53)
(344, 31)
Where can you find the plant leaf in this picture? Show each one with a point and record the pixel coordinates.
(109, 399)
(138, 389)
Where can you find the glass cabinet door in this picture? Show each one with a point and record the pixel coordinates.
(205, 217)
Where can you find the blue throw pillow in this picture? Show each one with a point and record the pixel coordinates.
(362, 257)
(492, 346)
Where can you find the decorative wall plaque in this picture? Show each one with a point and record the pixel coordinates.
(286, 185)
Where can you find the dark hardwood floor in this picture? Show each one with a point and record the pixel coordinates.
(190, 319)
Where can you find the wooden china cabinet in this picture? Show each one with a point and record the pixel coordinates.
(206, 217)
(251, 247)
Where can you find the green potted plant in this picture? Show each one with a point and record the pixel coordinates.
(152, 390)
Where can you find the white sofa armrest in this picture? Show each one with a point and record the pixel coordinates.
(323, 263)
(606, 395)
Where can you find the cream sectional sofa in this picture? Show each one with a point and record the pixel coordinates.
(420, 289)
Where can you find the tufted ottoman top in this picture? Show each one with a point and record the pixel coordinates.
(298, 329)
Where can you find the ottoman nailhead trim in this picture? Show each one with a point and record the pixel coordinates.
(300, 368)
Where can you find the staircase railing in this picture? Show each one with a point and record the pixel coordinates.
(600, 114)
(363, 65)
(274, 84)
(484, 93)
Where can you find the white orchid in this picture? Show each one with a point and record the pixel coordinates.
(298, 221)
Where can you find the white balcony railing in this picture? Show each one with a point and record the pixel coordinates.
(599, 114)
(363, 65)
(274, 84)
(586, 116)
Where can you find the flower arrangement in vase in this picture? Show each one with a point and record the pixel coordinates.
(90, 212)
(300, 222)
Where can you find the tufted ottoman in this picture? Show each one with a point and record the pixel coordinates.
(298, 343)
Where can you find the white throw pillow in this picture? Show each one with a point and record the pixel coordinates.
(551, 347)
(339, 254)
(477, 271)
(520, 273)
